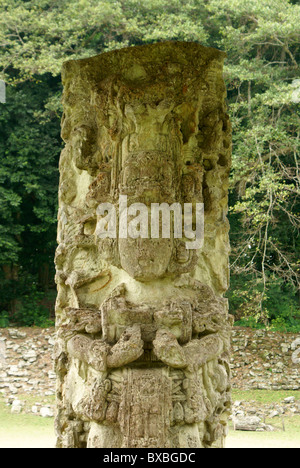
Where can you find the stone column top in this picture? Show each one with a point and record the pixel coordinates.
(187, 54)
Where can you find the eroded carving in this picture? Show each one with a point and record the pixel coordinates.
(143, 331)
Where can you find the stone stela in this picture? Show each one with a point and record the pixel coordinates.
(143, 331)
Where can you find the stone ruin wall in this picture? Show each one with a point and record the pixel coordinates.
(260, 360)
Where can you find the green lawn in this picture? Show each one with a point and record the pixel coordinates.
(264, 396)
(31, 431)
(290, 438)
(25, 430)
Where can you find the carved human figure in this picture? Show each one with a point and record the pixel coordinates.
(143, 331)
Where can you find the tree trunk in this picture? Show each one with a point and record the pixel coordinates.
(11, 273)
(44, 277)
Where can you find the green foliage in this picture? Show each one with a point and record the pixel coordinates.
(280, 324)
(31, 312)
(261, 38)
(250, 322)
(279, 310)
(29, 153)
(4, 319)
(38, 36)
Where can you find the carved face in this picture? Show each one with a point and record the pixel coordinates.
(147, 176)
(145, 259)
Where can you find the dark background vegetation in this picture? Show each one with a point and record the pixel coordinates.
(261, 38)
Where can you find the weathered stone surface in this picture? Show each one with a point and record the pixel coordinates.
(46, 412)
(143, 331)
(264, 360)
(251, 423)
(27, 364)
(2, 354)
(295, 344)
(244, 361)
(16, 333)
(17, 407)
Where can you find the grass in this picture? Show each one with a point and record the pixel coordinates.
(264, 396)
(31, 431)
(25, 430)
(290, 438)
(30, 400)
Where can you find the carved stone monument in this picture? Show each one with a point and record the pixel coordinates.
(143, 331)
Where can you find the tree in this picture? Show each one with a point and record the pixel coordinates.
(38, 36)
(261, 38)
(262, 41)
(29, 152)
